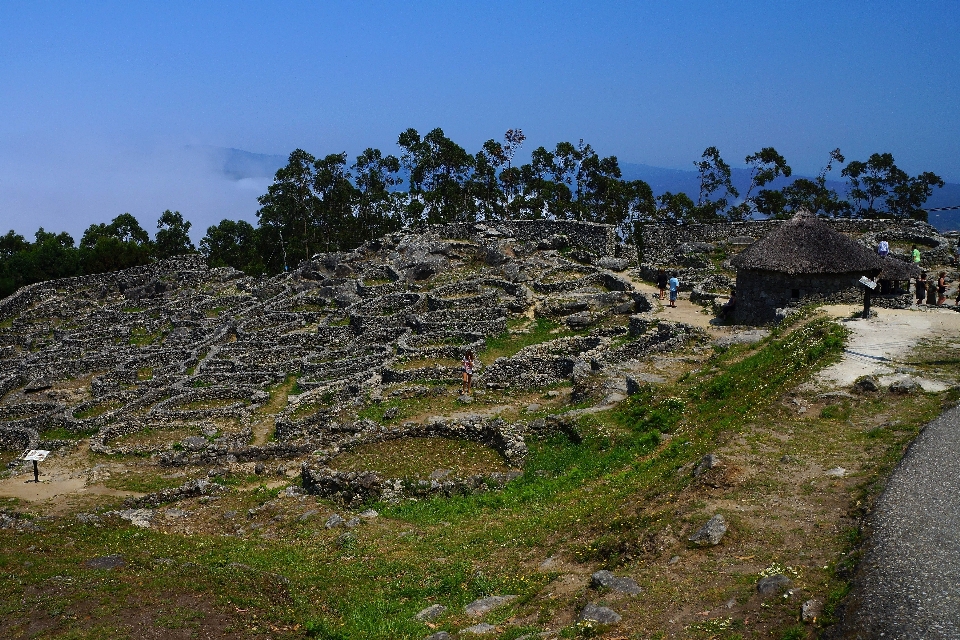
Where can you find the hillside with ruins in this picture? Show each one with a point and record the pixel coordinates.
(294, 456)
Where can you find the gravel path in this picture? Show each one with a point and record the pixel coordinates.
(908, 585)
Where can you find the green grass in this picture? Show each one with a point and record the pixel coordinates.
(140, 337)
(418, 457)
(575, 494)
(97, 410)
(508, 344)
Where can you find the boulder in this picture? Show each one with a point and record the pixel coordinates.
(598, 614)
(607, 580)
(710, 534)
(432, 612)
(483, 605)
(772, 585)
(866, 384)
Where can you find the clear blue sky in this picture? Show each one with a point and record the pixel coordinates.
(104, 105)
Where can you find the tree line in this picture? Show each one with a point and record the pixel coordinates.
(328, 203)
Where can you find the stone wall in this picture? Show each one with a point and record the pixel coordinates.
(661, 241)
(598, 239)
(761, 293)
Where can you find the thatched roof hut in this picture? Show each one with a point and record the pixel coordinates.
(899, 270)
(805, 244)
(803, 260)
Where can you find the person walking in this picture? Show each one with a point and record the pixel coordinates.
(467, 373)
(916, 255)
(883, 248)
(674, 284)
(662, 282)
(921, 287)
(942, 288)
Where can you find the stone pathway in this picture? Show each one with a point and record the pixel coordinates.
(908, 585)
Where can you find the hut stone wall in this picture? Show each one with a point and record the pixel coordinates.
(761, 293)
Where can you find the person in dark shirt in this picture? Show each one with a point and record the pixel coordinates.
(921, 287)
(662, 282)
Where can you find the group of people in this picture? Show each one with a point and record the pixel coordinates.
(664, 282)
(934, 292)
(928, 291)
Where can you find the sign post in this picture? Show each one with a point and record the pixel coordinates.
(35, 456)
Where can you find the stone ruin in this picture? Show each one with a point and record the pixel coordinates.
(221, 368)
(701, 253)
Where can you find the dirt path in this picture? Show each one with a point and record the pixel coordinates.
(685, 311)
(63, 478)
(879, 346)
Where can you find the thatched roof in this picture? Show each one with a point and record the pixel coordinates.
(807, 245)
(896, 269)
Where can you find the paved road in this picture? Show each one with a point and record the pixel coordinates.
(908, 585)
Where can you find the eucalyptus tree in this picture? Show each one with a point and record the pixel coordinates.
(716, 187)
(289, 214)
(439, 170)
(233, 244)
(334, 195)
(377, 205)
(173, 235)
(766, 166)
(879, 187)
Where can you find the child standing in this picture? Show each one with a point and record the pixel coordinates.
(467, 372)
(674, 287)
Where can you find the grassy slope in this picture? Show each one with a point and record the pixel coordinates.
(620, 497)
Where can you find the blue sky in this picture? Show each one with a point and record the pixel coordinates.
(108, 107)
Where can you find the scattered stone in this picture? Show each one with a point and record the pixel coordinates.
(307, 515)
(706, 463)
(439, 635)
(553, 393)
(483, 605)
(335, 520)
(772, 585)
(811, 610)
(346, 538)
(711, 533)
(632, 386)
(88, 518)
(479, 629)
(369, 514)
(742, 337)
(533, 407)
(352, 523)
(137, 517)
(598, 614)
(432, 612)
(105, 562)
(440, 474)
(608, 580)
(464, 399)
(391, 413)
(674, 560)
(788, 459)
(259, 469)
(836, 472)
(194, 443)
(905, 386)
(866, 384)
